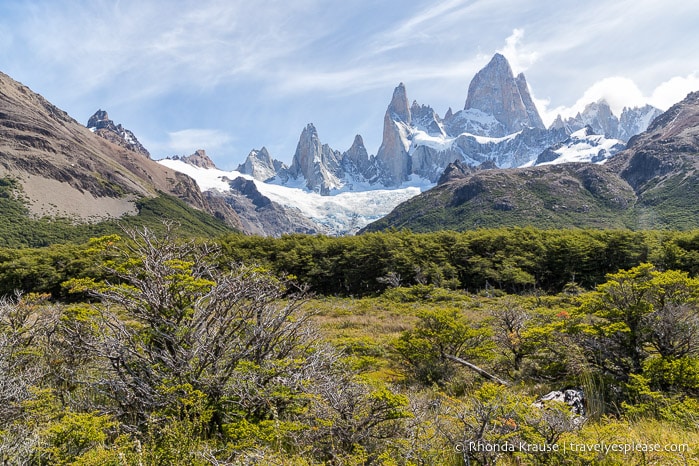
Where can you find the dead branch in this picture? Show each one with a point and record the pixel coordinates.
(477, 369)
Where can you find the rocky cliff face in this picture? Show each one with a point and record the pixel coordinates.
(668, 149)
(65, 169)
(495, 91)
(100, 124)
(599, 116)
(261, 216)
(315, 163)
(198, 159)
(652, 184)
(392, 158)
(357, 165)
(499, 125)
(260, 165)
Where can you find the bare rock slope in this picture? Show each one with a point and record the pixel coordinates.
(65, 169)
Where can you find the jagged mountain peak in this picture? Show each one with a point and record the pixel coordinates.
(260, 165)
(534, 118)
(357, 143)
(99, 119)
(100, 124)
(310, 129)
(601, 118)
(356, 161)
(500, 125)
(495, 91)
(652, 184)
(680, 117)
(66, 170)
(315, 162)
(263, 154)
(399, 108)
(498, 60)
(426, 119)
(392, 158)
(197, 159)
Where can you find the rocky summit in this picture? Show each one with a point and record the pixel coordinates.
(652, 184)
(100, 124)
(260, 165)
(198, 159)
(495, 91)
(499, 125)
(61, 169)
(620, 179)
(314, 162)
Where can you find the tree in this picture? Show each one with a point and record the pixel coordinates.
(171, 319)
(638, 313)
(510, 322)
(438, 340)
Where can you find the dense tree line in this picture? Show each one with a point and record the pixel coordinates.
(513, 260)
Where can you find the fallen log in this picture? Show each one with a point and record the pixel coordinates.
(477, 369)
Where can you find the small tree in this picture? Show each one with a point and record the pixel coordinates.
(170, 319)
(438, 339)
(510, 321)
(637, 313)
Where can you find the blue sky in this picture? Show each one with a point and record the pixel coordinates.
(230, 76)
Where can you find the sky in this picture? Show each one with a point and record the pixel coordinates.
(229, 76)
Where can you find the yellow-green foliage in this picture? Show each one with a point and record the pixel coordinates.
(343, 380)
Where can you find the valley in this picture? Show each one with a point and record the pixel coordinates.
(434, 303)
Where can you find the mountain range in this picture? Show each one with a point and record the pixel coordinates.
(491, 163)
(652, 184)
(499, 126)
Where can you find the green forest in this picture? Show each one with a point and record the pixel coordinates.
(148, 347)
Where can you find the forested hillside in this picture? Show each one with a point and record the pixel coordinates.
(386, 348)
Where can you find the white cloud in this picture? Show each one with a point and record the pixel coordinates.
(620, 92)
(519, 56)
(673, 90)
(155, 47)
(373, 76)
(409, 28)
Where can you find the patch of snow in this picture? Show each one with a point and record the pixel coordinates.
(582, 147)
(342, 212)
(438, 143)
(444, 143)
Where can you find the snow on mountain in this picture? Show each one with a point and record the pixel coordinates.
(499, 127)
(581, 146)
(636, 120)
(339, 213)
(598, 115)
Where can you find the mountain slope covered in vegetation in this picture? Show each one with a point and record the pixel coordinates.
(651, 185)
